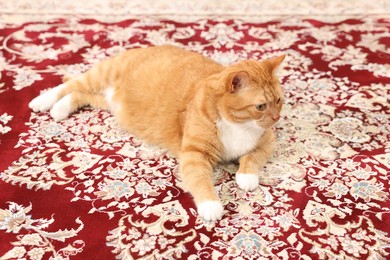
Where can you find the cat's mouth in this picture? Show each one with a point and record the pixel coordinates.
(268, 123)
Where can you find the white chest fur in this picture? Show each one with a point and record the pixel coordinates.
(238, 138)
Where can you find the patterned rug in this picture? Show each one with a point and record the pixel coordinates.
(84, 188)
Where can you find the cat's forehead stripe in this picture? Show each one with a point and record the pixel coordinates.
(270, 92)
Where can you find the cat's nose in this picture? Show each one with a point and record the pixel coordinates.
(276, 117)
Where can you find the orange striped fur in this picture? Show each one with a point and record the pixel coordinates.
(187, 103)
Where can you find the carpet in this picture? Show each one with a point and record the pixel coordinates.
(84, 188)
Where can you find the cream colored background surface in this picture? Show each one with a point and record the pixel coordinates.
(226, 7)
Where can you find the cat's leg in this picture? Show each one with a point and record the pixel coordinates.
(196, 173)
(94, 81)
(73, 101)
(247, 175)
(46, 100)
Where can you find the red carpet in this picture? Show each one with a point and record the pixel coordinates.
(85, 189)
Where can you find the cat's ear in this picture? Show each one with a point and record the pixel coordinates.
(273, 63)
(238, 81)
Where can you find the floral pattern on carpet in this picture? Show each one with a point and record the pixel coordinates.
(84, 188)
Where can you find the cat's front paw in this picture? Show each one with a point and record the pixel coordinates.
(247, 181)
(210, 210)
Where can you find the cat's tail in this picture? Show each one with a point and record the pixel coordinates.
(88, 88)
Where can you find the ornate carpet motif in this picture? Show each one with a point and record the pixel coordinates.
(84, 188)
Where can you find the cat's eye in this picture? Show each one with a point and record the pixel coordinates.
(278, 101)
(261, 107)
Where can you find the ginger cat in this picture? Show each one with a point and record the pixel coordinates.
(201, 111)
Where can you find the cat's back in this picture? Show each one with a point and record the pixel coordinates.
(162, 75)
(162, 63)
(148, 73)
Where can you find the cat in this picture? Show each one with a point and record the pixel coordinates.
(201, 111)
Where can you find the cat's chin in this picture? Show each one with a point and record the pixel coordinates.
(263, 125)
(210, 210)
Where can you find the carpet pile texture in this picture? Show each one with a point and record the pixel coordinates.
(84, 188)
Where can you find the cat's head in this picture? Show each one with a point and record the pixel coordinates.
(252, 92)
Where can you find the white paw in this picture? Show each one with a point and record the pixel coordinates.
(247, 181)
(43, 102)
(210, 210)
(46, 100)
(62, 109)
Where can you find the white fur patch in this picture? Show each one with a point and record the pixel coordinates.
(238, 138)
(62, 109)
(247, 181)
(210, 210)
(46, 100)
(109, 96)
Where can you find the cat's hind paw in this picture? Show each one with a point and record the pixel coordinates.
(46, 100)
(62, 109)
(43, 102)
(210, 210)
(247, 181)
